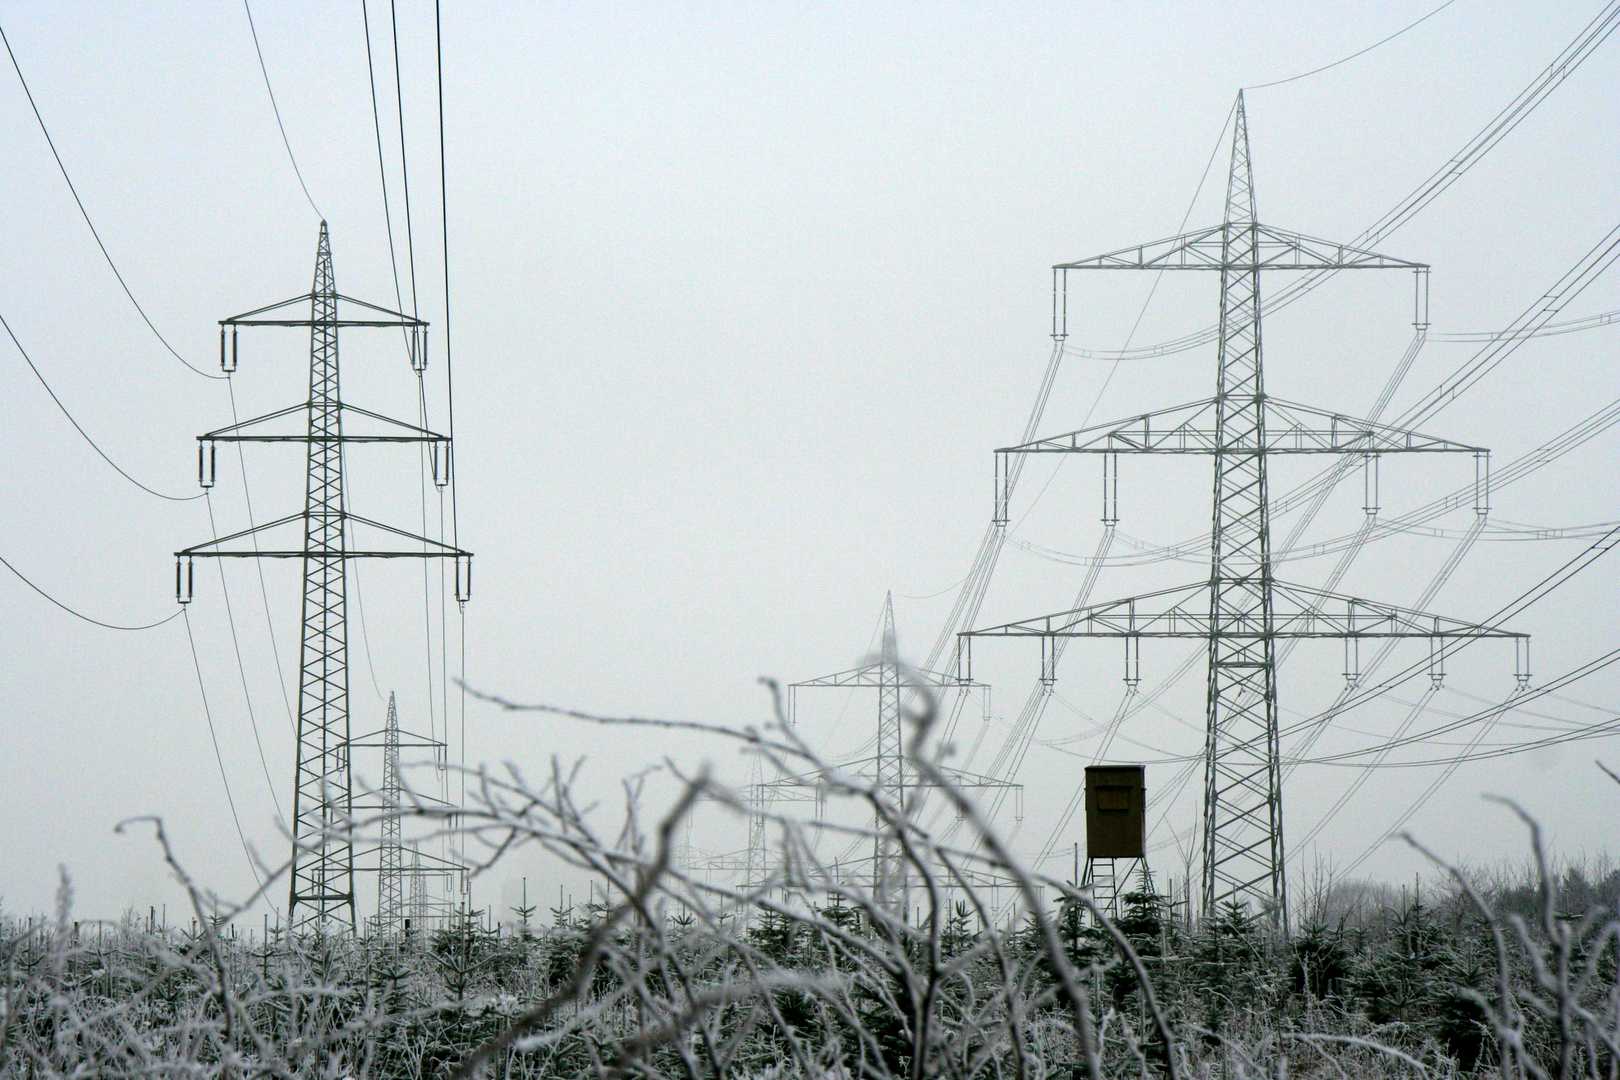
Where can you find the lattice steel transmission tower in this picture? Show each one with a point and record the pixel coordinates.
(885, 871)
(1241, 609)
(394, 877)
(390, 856)
(321, 893)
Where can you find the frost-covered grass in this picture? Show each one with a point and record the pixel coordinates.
(807, 977)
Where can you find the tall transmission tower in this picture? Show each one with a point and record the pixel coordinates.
(321, 893)
(1241, 609)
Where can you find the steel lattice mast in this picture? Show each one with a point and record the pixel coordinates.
(390, 856)
(323, 794)
(321, 890)
(887, 874)
(396, 801)
(1243, 840)
(889, 878)
(1242, 611)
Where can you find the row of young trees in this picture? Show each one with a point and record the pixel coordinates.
(811, 977)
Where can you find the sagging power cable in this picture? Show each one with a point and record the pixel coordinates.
(275, 108)
(79, 614)
(85, 435)
(1486, 139)
(105, 254)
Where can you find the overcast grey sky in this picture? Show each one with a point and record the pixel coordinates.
(744, 295)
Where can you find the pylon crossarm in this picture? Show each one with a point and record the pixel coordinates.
(200, 551)
(1301, 429)
(1173, 430)
(399, 430)
(1272, 249)
(963, 779)
(442, 548)
(444, 865)
(416, 799)
(254, 317)
(1290, 429)
(434, 549)
(872, 674)
(1297, 612)
(1177, 612)
(406, 739)
(221, 434)
(1301, 611)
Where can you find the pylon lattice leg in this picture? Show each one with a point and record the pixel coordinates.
(1243, 855)
(322, 888)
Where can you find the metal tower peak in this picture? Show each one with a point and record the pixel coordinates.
(1240, 179)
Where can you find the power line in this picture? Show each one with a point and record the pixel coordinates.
(449, 383)
(86, 215)
(1354, 55)
(80, 615)
(404, 168)
(241, 668)
(382, 167)
(258, 565)
(1498, 128)
(1570, 326)
(277, 110)
(219, 759)
(1537, 592)
(79, 428)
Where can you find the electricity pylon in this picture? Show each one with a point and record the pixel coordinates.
(392, 873)
(321, 890)
(1241, 610)
(886, 872)
(390, 857)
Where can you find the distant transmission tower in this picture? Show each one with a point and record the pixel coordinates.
(390, 857)
(885, 871)
(321, 892)
(393, 875)
(1241, 610)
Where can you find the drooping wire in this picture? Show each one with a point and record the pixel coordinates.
(382, 166)
(219, 758)
(404, 166)
(1569, 326)
(258, 564)
(1531, 596)
(105, 254)
(1489, 715)
(1354, 55)
(365, 637)
(79, 428)
(268, 89)
(80, 615)
(1457, 166)
(449, 381)
(241, 668)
